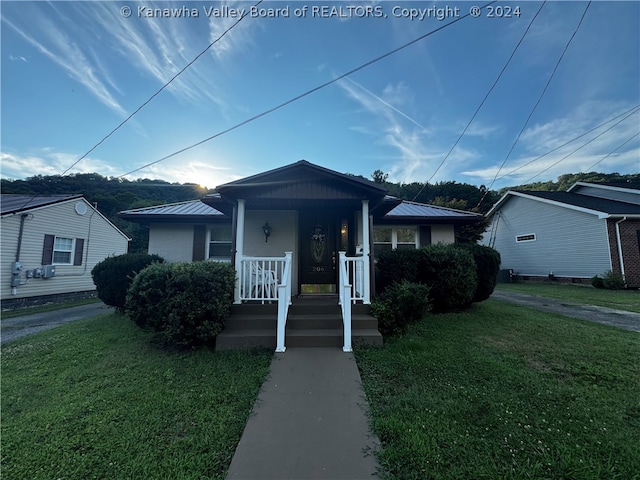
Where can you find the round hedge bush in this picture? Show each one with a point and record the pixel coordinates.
(113, 276)
(186, 303)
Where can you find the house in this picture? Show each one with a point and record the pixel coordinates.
(570, 236)
(299, 232)
(50, 245)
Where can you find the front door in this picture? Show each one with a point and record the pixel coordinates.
(318, 255)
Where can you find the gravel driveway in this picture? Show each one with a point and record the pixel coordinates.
(607, 316)
(17, 327)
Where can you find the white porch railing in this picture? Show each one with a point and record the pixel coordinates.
(350, 289)
(268, 279)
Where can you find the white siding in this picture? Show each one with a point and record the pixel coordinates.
(442, 234)
(101, 239)
(284, 236)
(568, 243)
(173, 242)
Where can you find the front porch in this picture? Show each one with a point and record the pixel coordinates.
(312, 321)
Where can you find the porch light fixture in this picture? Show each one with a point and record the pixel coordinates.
(266, 229)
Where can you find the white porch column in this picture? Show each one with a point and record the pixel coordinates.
(366, 254)
(239, 248)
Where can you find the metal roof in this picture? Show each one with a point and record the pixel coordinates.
(13, 203)
(185, 210)
(417, 210)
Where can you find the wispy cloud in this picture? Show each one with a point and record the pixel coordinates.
(535, 164)
(48, 162)
(17, 58)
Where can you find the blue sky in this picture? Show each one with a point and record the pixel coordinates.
(72, 71)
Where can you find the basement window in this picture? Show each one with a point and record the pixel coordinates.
(530, 237)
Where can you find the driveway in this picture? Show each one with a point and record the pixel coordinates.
(606, 316)
(17, 327)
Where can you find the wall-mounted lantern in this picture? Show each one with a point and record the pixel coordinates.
(266, 229)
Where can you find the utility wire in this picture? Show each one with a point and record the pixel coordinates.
(482, 102)
(611, 153)
(567, 143)
(581, 147)
(305, 94)
(161, 88)
(544, 90)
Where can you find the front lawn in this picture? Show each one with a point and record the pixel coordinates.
(503, 391)
(95, 399)
(628, 300)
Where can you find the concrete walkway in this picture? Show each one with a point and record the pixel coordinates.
(309, 421)
(607, 316)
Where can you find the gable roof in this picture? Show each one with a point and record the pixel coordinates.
(14, 203)
(189, 211)
(614, 186)
(602, 207)
(298, 184)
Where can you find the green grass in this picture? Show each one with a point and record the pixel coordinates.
(628, 300)
(506, 392)
(96, 399)
(48, 307)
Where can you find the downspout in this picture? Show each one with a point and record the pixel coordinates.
(14, 281)
(620, 248)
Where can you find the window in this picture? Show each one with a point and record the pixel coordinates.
(220, 243)
(62, 250)
(390, 238)
(530, 237)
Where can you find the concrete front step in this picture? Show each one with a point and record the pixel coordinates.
(312, 322)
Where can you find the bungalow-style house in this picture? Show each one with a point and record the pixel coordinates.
(302, 236)
(50, 244)
(569, 236)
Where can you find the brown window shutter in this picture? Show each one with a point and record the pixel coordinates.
(77, 256)
(425, 235)
(47, 250)
(199, 241)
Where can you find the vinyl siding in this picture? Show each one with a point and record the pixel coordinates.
(173, 242)
(101, 239)
(568, 243)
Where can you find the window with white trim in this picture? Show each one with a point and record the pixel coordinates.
(391, 238)
(220, 243)
(529, 237)
(63, 249)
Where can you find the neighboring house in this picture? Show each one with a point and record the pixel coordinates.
(572, 235)
(297, 230)
(50, 244)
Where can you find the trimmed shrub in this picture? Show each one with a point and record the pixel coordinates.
(487, 262)
(114, 275)
(610, 281)
(186, 303)
(401, 304)
(397, 266)
(450, 272)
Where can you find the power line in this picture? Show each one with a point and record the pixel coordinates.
(544, 90)
(581, 147)
(612, 152)
(483, 100)
(161, 88)
(567, 143)
(305, 94)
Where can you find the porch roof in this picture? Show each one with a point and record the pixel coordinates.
(298, 185)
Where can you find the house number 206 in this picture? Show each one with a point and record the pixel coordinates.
(318, 269)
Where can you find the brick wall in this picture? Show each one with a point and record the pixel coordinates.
(630, 250)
